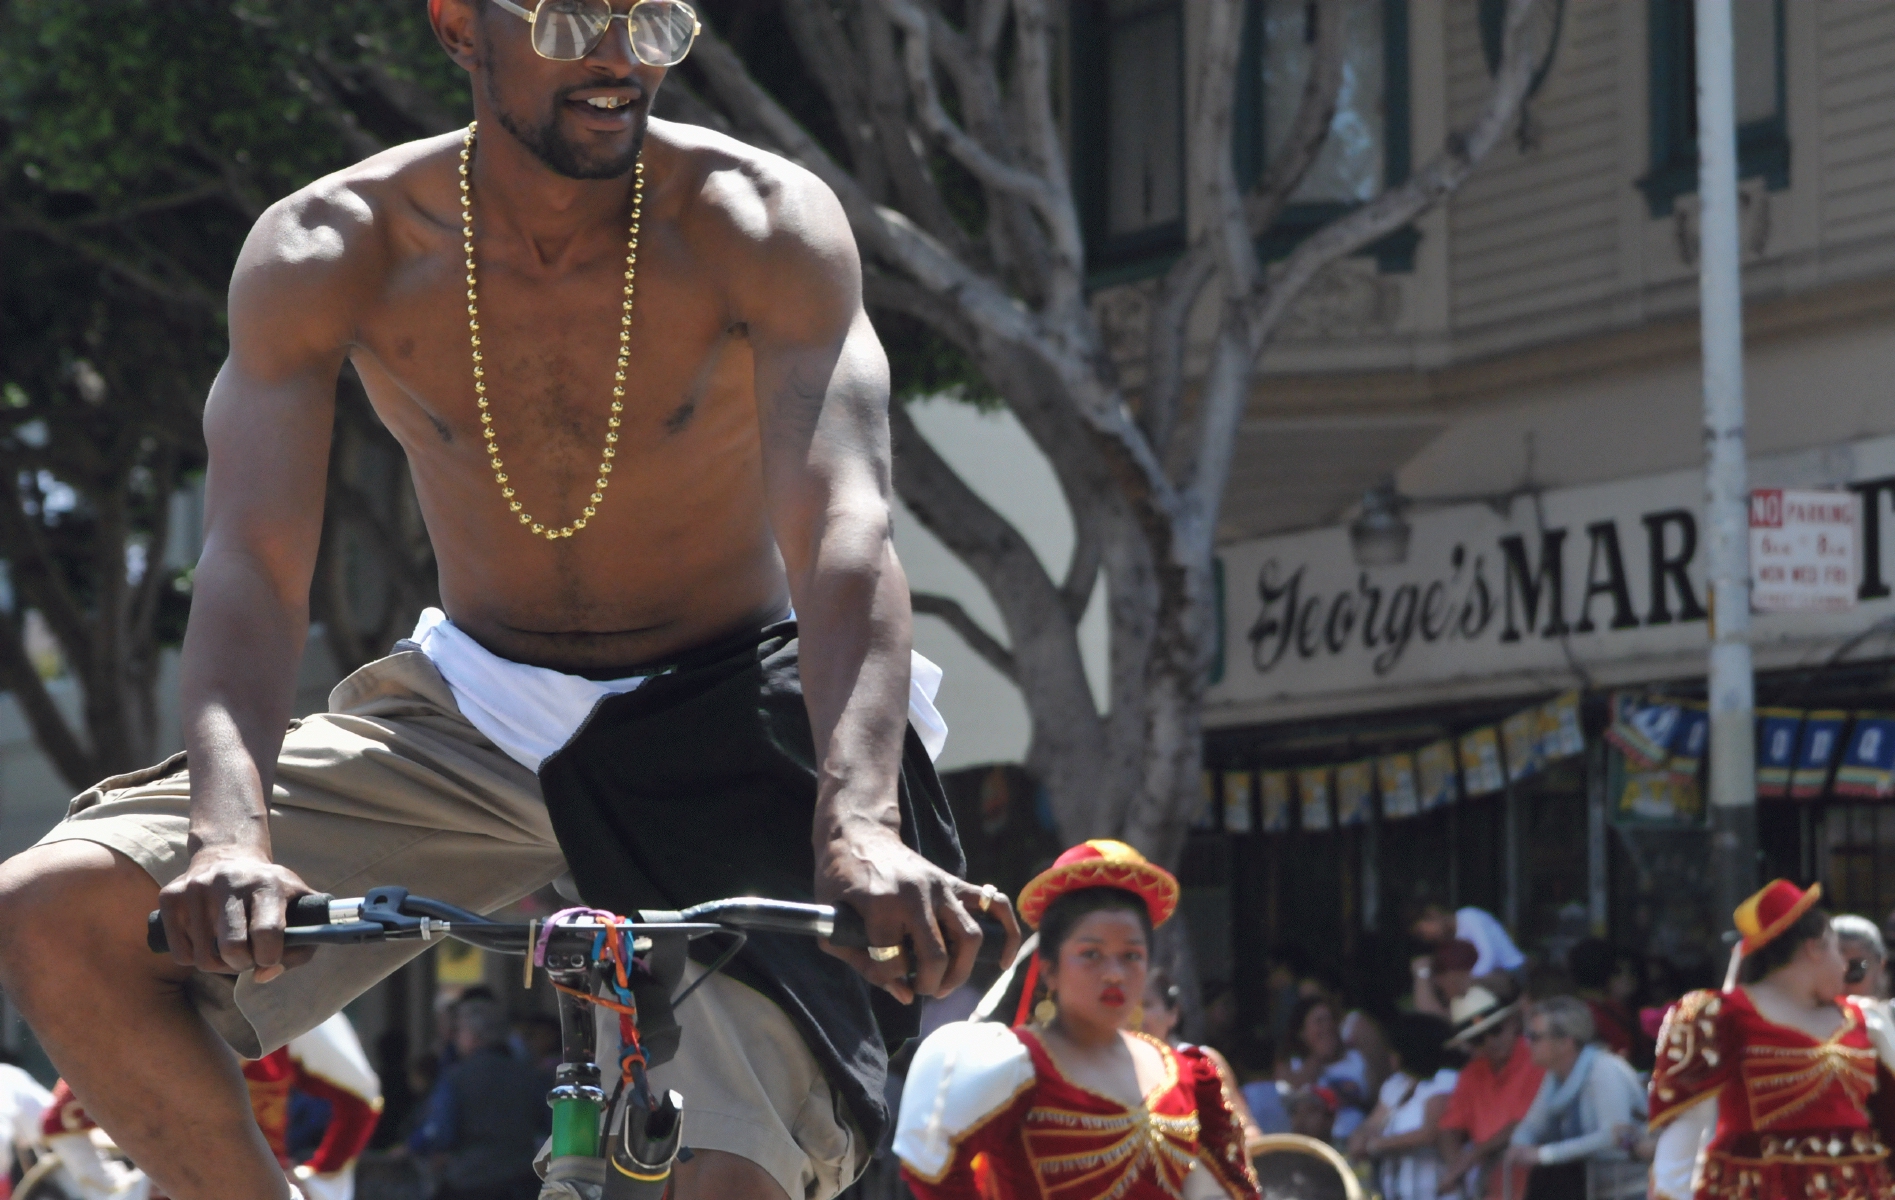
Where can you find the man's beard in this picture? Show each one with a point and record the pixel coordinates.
(552, 148)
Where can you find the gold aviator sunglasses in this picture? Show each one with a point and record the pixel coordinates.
(564, 30)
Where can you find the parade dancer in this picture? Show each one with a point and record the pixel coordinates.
(1762, 1090)
(1074, 1107)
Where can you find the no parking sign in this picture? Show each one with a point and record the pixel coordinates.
(1802, 550)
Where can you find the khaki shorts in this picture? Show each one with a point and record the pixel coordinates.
(394, 786)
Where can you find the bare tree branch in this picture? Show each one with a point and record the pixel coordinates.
(1395, 208)
(1046, 152)
(1082, 569)
(1315, 114)
(50, 728)
(819, 35)
(904, 153)
(918, 58)
(978, 640)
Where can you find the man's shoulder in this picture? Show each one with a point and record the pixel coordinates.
(346, 218)
(738, 191)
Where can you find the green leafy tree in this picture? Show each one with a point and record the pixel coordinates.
(139, 139)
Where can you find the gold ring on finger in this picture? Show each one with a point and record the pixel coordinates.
(884, 953)
(988, 894)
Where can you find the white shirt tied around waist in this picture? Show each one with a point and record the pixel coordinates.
(532, 712)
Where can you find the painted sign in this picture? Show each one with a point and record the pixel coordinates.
(1602, 584)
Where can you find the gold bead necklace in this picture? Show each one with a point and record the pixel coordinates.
(480, 383)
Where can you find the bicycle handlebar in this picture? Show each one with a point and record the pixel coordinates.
(392, 913)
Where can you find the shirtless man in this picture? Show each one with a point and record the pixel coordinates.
(750, 471)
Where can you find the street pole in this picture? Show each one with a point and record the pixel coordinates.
(1732, 687)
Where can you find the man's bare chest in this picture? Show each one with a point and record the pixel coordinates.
(551, 351)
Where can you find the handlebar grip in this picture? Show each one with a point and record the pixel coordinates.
(851, 932)
(312, 909)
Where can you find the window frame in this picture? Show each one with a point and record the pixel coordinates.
(1394, 253)
(1122, 257)
(1763, 146)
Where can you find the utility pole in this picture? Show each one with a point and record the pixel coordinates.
(1732, 686)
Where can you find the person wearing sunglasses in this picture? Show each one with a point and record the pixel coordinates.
(1491, 1095)
(645, 415)
(1865, 974)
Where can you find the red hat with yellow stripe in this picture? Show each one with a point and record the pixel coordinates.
(1101, 862)
(1773, 910)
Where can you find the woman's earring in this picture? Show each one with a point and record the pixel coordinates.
(1138, 1016)
(1046, 1010)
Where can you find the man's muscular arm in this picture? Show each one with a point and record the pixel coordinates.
(267, 424)
(822, 395)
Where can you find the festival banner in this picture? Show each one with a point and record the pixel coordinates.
(1273, 789)
(1642, 728)
(1439, 777)
(1237, 802)
(1689, 742)
(1395, 774)
(1777, 730)
(1206, 818)
(1561, 735)
(1355, 792)
(1868, 765)
(1520, 738)
(1312, 784)
(1480, 762)
(1647, 797)
(1816, 753)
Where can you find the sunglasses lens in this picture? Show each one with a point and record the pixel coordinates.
(662, 31)
(568, 29)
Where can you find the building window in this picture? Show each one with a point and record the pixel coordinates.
(1128, 120)
(1367, 148)
(1763, 141)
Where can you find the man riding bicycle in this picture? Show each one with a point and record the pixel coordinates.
(675, 654)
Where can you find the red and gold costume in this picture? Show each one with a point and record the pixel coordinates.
(993, 1118)
(326, 1062)
(1763, 1111)
(987, 1114)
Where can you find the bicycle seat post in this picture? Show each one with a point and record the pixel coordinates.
(576, 1099)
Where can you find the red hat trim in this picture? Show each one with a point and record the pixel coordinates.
(1772, 910)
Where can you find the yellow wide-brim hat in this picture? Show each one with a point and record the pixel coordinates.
(1101, 862)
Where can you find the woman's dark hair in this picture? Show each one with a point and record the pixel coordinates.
(1065, 913)
(1776, 953)
(1300, 1014)
(1159, 980)
(1420, 1040)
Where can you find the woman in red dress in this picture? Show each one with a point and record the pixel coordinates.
(1074, 1107)
(1762, 1091)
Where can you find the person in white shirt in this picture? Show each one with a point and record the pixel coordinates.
(1497, 960)
(1587, 1096)
(1401, 1134)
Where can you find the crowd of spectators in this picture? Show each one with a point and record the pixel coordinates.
(1495, 1074)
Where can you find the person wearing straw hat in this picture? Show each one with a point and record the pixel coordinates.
(1073, 1104)
(1493, 1093)
(1762, 1089)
